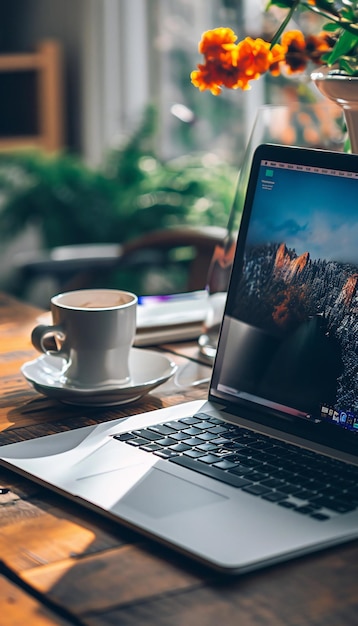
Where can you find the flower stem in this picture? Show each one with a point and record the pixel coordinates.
(334, 17)
(280, 30)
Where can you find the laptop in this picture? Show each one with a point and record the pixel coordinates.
(266, 469)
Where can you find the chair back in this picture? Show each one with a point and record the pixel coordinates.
(161, 261)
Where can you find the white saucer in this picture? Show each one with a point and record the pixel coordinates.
(148, 370)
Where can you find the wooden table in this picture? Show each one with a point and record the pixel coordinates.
(61, 564)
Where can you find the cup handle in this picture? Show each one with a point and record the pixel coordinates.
(41, 333)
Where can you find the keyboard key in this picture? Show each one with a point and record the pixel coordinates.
(217, 430)
(203, 425)
(242, 470)
(206, 436)
(124, 436)
(179, 447)
(321, 517)
(235, 447)
(193, 441)
(192, 431)
(150, 447)
(138, 441)
(222, 453)
(257, 476)
(274, 496)
(162, 429)
(333, 505)
(209, 458)
(224, 464)
(273, 483)
(256, 490)
(166, 453)
(189, 420)
(290, 489)
(166, 441)
(209, 470)
(194, 454)
(215, 420)
(179, 436)
(255, 463)
(176, 425)
(203, 416)
(304, 494)
(207, 447)
(287, 504)
(220, 441)
(305, 510)
(147, 434)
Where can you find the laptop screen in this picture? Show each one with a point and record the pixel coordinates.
(289, 339)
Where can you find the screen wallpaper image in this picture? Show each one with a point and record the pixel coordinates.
(294, 321)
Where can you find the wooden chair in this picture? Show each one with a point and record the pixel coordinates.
(183, 254)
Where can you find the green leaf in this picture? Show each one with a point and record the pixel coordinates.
(330, 27)
(326, 5)
(348, 65)
(344, 44)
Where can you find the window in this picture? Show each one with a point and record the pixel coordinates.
(143, 51)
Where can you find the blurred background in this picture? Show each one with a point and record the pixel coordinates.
(103, 137)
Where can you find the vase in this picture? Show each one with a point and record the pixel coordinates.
(343, 90)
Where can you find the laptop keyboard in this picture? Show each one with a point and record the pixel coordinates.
(282, 473)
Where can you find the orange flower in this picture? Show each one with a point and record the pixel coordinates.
(316, 45)
(214, 42)
(278, 56)
(300, 49)
(212, 76)
(296, 56)
(233, 66)
(220, 68)
(228, 63)
(254, 58)
(294, 39)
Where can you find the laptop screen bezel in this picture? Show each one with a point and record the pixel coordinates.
(316, 431)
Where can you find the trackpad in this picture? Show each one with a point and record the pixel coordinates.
(160, 494)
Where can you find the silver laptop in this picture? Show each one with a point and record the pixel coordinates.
(266, 469)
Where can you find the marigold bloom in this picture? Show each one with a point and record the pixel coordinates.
(213, 75)
(203, 80)
(278, 56)
(296, 55)
(213, 42)
(220, 67)
(233, 65)
(300, 49)
(316, 45)
(254, 56)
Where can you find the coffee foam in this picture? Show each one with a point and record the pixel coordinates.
(102, 303)
(94, 299)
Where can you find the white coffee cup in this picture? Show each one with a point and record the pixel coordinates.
(93, 330)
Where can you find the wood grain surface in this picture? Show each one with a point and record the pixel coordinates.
(61, 564)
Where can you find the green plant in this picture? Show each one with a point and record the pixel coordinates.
(131, 193)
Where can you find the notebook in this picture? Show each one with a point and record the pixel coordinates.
(265, 469)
